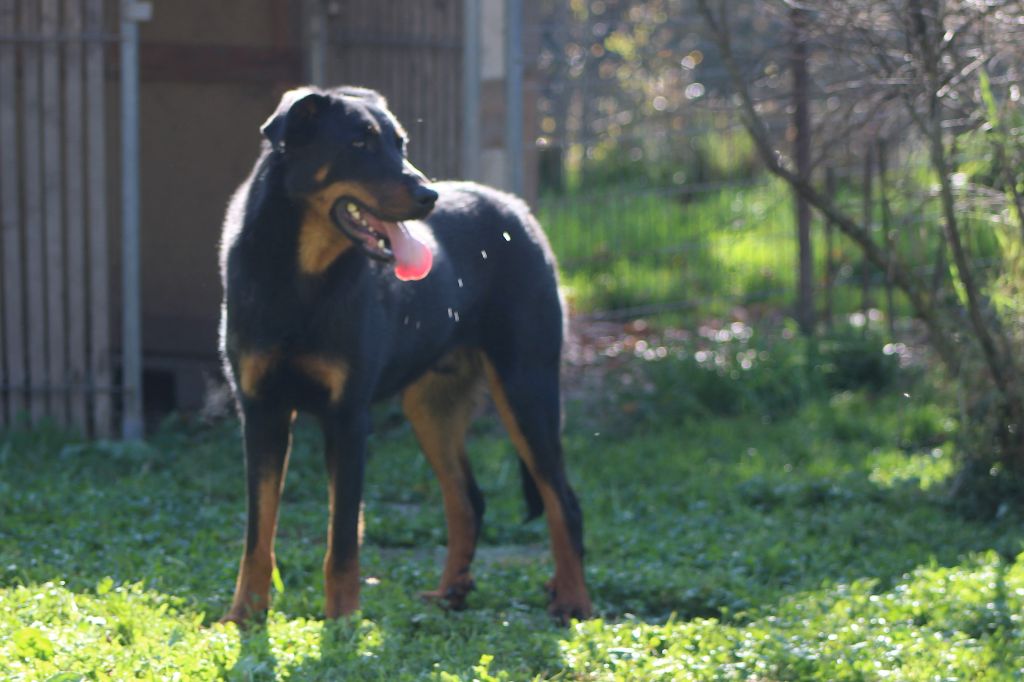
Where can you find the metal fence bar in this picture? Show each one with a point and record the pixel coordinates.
(74, 187)
(53, 212)
(407, 51)
(31, 170)
(471, 90)
(132, 426)
(99, 371)
(10, 217)
(514, 94)
(9, 37)
(315, 21)
(55, 346)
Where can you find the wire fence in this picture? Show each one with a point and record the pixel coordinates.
(728, 248)
(654, 195)
(650, 190)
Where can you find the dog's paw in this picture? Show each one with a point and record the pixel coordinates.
(451, 596)
(244, 618)
(568, 602)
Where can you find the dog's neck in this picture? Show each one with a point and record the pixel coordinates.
(319, 243)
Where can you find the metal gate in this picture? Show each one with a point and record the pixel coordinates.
(57, 357)
(406, 50)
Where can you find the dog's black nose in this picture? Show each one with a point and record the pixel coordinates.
(424, 196)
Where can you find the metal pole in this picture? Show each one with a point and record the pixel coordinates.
(132, 426)
(471, 90)
(802, 126)
(316, 34)
(514, 93)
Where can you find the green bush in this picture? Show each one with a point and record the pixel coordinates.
(720, 373)
(855, 358)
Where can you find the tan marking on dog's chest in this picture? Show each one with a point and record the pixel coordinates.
(320, 243)
(329, 373)
(252, 368)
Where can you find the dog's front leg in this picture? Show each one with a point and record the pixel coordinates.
(345, 454)
(267, 435)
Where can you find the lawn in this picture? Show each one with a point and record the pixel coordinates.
(621, 248)
(712, 248)
(755, 510)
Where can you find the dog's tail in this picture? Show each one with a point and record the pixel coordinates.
(534, 504)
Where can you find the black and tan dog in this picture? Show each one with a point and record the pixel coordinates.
(348, 279)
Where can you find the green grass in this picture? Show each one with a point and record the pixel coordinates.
(621, 250)
(626, 246)
(801, 535)
(719, 248)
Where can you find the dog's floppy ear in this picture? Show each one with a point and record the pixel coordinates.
(294, 121)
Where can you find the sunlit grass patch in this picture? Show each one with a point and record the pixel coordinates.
(631, 248)
(624, 246)
(958, 622)
(926, 469)
(115, 633)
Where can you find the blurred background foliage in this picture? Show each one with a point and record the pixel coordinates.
(669, 148)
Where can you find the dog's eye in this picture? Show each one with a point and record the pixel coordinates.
(365, 140)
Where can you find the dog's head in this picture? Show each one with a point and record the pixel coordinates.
(344, 156)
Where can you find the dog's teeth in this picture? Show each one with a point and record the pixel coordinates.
(352, 208)
(381, 243)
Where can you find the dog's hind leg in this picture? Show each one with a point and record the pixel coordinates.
(527, 397)
(267, 435)
(440, 406)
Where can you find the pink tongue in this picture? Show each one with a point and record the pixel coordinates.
(413, 257)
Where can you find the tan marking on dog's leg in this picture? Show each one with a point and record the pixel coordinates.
(252, 589)
(329, 373)
(568, 584)
(252, 368)
(440, 408)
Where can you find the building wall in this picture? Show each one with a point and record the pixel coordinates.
(210, 75)
(212, 72)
